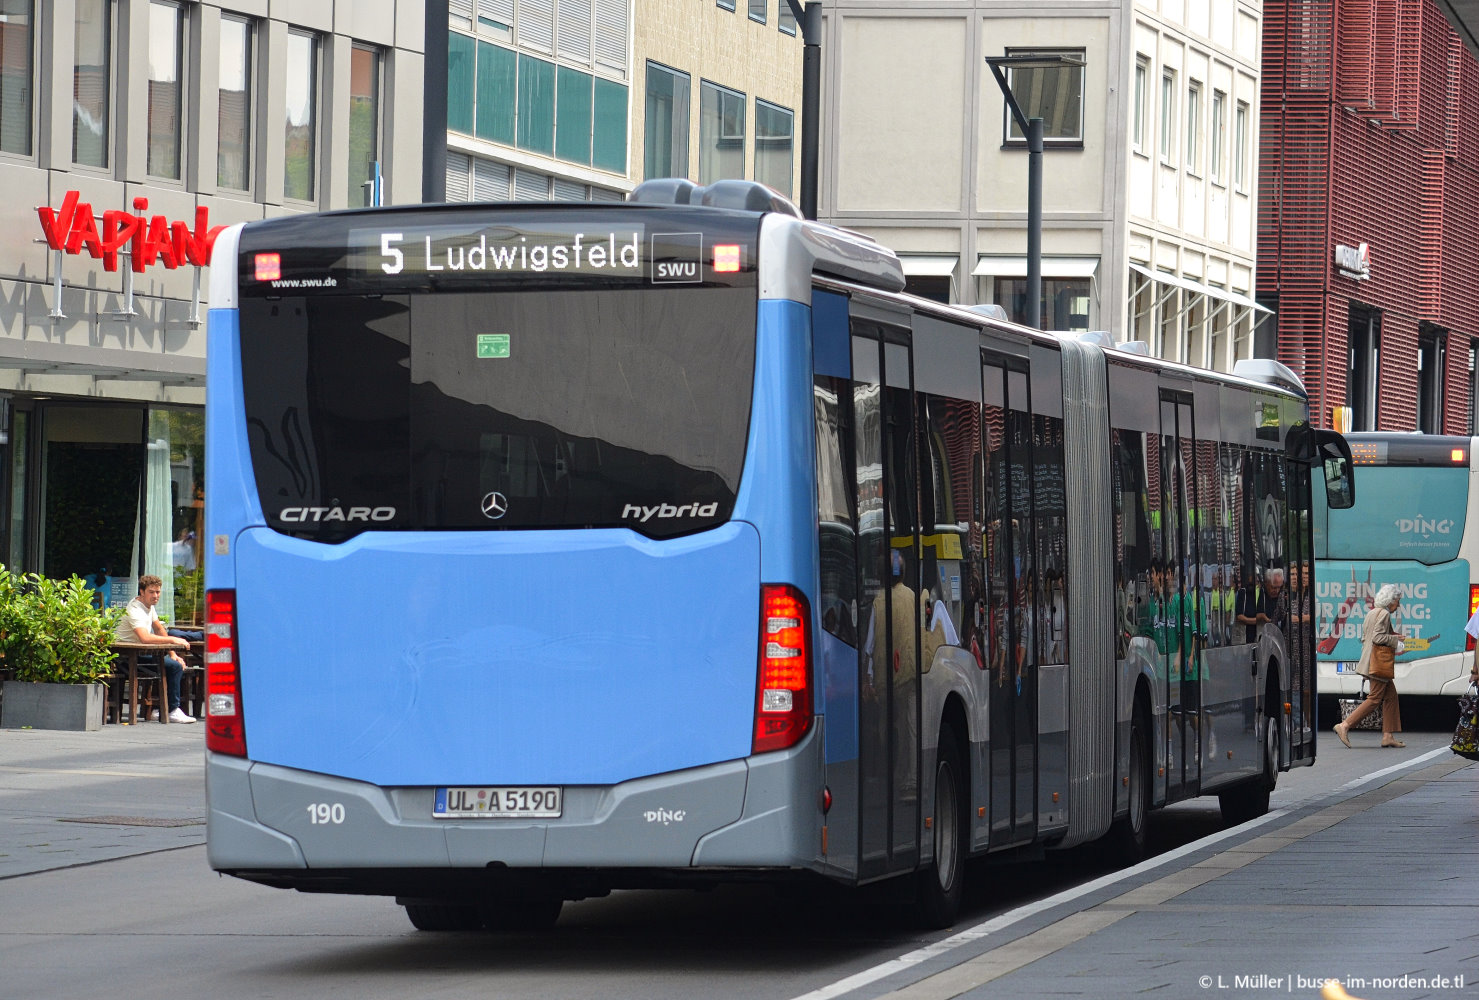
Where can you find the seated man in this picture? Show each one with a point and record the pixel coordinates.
(140, 623)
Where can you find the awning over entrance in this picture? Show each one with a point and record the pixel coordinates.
(1192, 285)
(917, 265)
(36, 357)
(1052, 267)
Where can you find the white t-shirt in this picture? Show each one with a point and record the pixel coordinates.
(136, 616)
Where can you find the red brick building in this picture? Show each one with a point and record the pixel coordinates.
(1368, 221)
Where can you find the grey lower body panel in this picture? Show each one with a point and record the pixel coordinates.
(300, 829)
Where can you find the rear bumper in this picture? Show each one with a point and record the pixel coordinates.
(756, 813)
(1433, 675)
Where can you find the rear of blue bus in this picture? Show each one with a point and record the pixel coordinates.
(1411, 526)
(503, 587)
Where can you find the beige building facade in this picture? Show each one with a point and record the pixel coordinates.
(1148, 221)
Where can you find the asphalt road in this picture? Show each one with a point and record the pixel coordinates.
(161, 924)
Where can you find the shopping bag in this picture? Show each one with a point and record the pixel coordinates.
(1372, 721)
(1466, 733)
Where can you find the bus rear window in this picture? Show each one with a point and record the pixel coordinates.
(617, 407)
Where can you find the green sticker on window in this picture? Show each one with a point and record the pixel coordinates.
(492, 345)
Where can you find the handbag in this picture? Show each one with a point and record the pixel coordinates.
(1372, 721)
(1466, 733)
(1383, 662)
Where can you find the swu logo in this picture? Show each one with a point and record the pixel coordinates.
(681, 270)
(676, 257)
(1423, 526)
(665, 510)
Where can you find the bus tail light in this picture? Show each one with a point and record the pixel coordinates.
(224, 728)
(783, 705)
(1473, 606)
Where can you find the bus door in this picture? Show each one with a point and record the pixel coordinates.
(1298, 585)
(1012, 689)
(888, 601)
(1181, 657)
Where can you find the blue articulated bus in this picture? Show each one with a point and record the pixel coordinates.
(557, 549)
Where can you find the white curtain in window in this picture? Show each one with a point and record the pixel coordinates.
(159, 513)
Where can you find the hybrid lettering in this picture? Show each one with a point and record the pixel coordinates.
(667, 510)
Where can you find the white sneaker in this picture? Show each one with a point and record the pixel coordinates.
(154, 715)
(178, 715)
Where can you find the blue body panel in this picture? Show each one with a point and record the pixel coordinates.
(228, 469)
(486, 658)
(569, 657)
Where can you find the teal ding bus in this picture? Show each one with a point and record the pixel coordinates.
(1410, 528)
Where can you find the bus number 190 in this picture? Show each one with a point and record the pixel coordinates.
(325, 812)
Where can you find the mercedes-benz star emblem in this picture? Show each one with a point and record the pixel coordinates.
(495, 505)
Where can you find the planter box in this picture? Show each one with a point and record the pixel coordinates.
(52, 706)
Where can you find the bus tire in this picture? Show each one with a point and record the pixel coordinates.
(443, 916)
(941, 884)
(522, 914)
(1128, 837)
(1250, 800)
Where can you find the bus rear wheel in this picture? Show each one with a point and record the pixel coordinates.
(941, 884)
(522, 914)
(442, 916)
(1128, 836)
(1251, 800)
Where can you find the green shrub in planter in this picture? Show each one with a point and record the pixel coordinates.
(50, 632)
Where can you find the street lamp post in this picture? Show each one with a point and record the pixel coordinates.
(1032, 130)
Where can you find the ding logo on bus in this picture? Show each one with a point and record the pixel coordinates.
(1419, 525)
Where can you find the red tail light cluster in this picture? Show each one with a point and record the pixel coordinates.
(224, 729)
(783, 705)
(1473, 606)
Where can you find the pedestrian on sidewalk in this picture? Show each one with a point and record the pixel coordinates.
(1380, 647)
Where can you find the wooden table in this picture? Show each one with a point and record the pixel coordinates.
(131, 651)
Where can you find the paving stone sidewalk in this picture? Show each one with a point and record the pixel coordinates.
(69, 798)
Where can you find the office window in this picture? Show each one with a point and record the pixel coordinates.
(757, 10)
(665, 119)
(1193, 126)
(1142, 95)
(721, 133)
(234, 106)
(1473, 425)
(496, 94)
(573, 115)
(726, 4)
(1064, 306)
(774, 145)
(364, 123)
(299, 147)
(1432, 344)
(462, 56)
(785, 20)
(609, 129)
(1168, 114)
(1240, 145)
(16, 20)
(1055, 95)
(1215, 139)
(166, 59)
(91, 81)
(536, 105)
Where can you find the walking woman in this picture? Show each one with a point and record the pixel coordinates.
(1379, 649)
